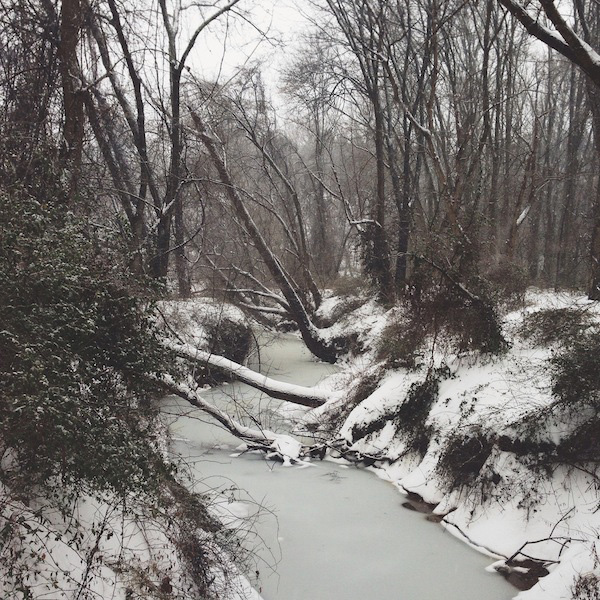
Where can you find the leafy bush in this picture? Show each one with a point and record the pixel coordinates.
(576, 385)
(583, 444)
(75, 348)
(229, 338)
(411, 416)
(441, 313)
(574, 411)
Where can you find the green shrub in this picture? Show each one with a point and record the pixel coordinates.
(583, 444)
(75, 348)
(228, 338)
(576, 388)
(462, 310)
(470, 324)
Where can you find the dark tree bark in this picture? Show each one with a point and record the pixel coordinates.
(321, 348)
(363, 26)
(70, 28)
(594, 277)
(579, 51)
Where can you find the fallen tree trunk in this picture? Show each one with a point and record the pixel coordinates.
(275, 445)
(305, 396)
(187, 392)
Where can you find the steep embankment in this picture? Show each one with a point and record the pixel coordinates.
(504, 448)
(133, 530)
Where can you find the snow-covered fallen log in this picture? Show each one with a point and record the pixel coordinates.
(283, 447)
(305, 396)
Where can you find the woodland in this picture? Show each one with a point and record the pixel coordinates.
(434, 157)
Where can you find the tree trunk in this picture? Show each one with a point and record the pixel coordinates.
(184, 282)
(594, 285)
(73, 129)
(304, 396)
(565, 266)
(321, 348)
(380, 260)
(594, 279)
(160, 261)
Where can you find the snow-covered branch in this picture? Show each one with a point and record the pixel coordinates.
(275, 445)
(305, 396)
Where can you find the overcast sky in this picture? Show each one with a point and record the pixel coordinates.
(233, 42)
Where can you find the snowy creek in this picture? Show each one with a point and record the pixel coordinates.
(326, 531)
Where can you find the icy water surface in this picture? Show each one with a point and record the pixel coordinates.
(326, 532)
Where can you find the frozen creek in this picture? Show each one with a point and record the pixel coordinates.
(326, 532)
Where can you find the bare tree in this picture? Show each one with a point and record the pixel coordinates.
(310, 82)
(321, 347)
(362, 24)
(561, 35)
(151, 198)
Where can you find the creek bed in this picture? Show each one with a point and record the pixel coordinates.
(327, 531)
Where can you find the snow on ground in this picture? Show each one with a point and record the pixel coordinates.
(98, 549)
(190, 318)
(366, 321)
(104, 548)
(510, 505)
(578, 572)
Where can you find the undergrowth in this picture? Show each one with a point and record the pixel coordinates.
(586, 587)
(435, 314)
(410, 416)
(555, 325)
(508, 282)
(464, 455)
(332, 421)
(79, 352)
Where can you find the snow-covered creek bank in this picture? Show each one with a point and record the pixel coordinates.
(323, 532)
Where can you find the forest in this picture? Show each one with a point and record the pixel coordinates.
(414, 195)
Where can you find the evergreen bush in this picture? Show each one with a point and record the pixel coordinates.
(75, 349)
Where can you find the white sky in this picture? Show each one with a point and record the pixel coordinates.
(218, 56)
